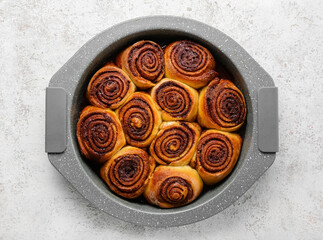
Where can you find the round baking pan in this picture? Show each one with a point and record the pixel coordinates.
(65, 99)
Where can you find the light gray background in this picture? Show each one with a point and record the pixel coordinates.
(38, 37)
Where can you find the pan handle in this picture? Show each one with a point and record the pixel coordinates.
(55, 123)
(268, 132)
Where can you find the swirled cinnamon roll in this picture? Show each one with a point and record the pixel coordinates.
(175, 143)
(171, 187)
(216, 154)
(127, 173)
(109, 87)
(176, 100)
(99, 134)
(222, 106)
(144, 63)
(140, 119)
(189, 63)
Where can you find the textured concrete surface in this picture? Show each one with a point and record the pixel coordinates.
(285, 37)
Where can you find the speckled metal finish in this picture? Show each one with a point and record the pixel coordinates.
(74, 76)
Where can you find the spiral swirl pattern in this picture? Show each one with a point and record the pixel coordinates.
(144, 62)
(109, 88)
(189, 57)
(176, 100)
(99, 133)
(222, 106)
(175, 190)
(119, 115)
(190, 63)
(214, 152)
(176, 142)
(173, 186)
(127, 172)
(140, 119)
(216, 155)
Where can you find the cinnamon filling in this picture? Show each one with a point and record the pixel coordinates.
(175, 190)
(214, 152)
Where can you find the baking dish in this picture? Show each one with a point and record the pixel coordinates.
(65, 100)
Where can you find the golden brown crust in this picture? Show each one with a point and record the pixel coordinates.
(144, 63)
(176, 100)
(187, 157)
(140, 119)
(189, 63)
(173, 186)
(175, 143)
(109, 87)
(99, 134)
(221, 106)
(127, 173)
(216, 155)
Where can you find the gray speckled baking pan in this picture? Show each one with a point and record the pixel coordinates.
(65, 99)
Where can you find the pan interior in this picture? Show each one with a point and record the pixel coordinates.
(163, 37)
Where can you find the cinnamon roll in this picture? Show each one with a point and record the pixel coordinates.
(221, 106)
(144, 63)
(109, 87)
(127, 173)
(99, 134)
(140, 119)
(176, 100)
(189, 63)
(171, 187)
(175, 143)
(216, 154)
